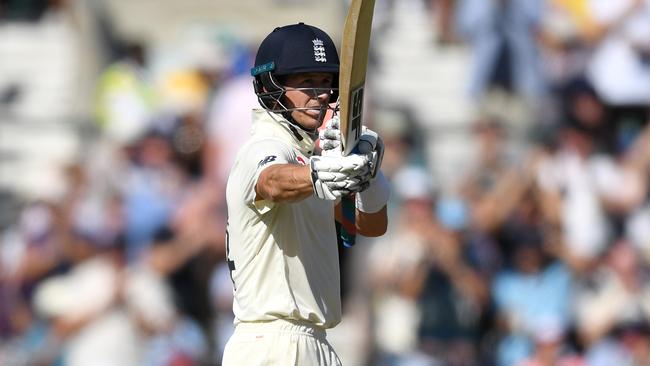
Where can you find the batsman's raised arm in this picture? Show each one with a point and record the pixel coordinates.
(329, 178)
(372, 197)
(369, 224)
(371, 213)
(284, 183)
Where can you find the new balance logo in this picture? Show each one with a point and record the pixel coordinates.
(266, 160)
(319, 51)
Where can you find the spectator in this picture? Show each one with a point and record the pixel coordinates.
(506, 68)
(577, 210)
(551, 348)
(612, 295)
(125, 100)
(167, 337)
(627, 346)
(398, 266)
(532, 288)
(618, 68)
(154, 185)
(84, 324)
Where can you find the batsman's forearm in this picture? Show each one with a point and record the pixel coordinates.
(284, 183)
(372, 224)
(368, 224)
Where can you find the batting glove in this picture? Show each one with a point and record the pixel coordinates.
(330, 137)
(377, 192)
(369, 143)
(333, 177)
(372, 145)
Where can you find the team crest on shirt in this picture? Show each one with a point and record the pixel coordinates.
(266, 160)
(301, 160)
(319, 50)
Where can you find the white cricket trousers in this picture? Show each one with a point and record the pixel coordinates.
(279, 342)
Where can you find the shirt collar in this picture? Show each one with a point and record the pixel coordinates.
(271, 124)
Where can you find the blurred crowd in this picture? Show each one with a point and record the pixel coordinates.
(539, 256)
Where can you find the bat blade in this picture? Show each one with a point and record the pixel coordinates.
(352, 78)
(352, 74)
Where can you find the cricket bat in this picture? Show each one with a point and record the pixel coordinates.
(352, 78)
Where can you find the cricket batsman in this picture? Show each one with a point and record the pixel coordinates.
(283, 196)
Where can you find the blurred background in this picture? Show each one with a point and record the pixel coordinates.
(517, 144)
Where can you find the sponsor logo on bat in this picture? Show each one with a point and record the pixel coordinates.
(356, 112)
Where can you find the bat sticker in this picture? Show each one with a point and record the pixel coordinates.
(356, 112)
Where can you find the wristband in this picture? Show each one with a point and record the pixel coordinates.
(376, 196)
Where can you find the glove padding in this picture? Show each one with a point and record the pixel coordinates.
(330, 137)
(372, 145)
(369, 143)
(333, 177)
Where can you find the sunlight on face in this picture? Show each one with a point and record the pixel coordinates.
(314, 100)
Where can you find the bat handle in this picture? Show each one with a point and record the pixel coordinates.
(349, 208)
(348, 226)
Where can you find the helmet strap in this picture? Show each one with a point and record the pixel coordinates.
(292, 127)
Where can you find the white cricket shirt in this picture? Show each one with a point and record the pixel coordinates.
(283, 256)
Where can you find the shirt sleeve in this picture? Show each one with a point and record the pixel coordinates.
(259, 156)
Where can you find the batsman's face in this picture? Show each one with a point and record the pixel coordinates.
(310, 91)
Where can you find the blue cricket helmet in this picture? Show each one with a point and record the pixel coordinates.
(292, 49)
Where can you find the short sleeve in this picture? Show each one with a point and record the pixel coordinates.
(258, 156)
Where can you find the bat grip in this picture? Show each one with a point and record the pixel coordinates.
(348, 226)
